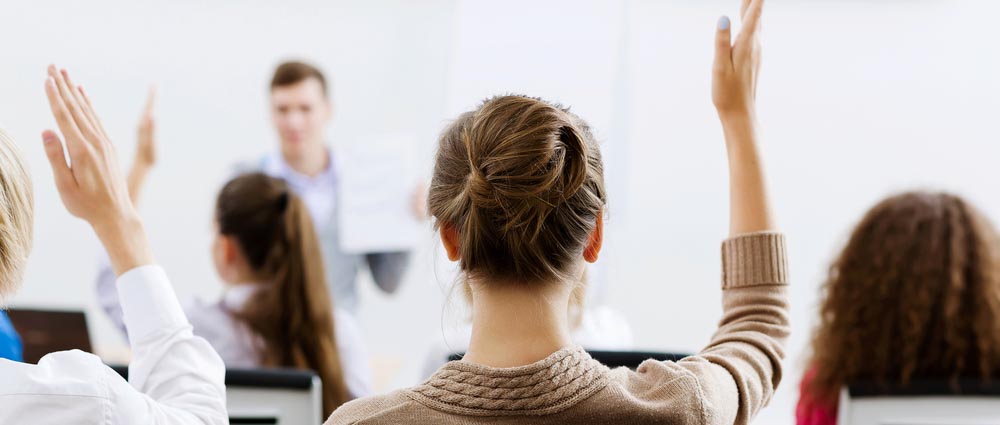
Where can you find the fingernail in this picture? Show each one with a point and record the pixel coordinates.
(724, 23)
(50, 81)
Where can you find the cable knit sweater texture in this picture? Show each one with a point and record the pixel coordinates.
(726, 383)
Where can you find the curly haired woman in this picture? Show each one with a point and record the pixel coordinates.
(915, 294)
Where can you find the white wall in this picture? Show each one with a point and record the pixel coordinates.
(857, 99)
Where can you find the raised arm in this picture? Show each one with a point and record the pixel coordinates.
(734, 92)
(145, 150)
(740, 368)
(145, 159)
(175, 377)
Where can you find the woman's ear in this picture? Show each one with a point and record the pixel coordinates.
(596, 240)
(225, 255)
(230, 250)
(449, 238)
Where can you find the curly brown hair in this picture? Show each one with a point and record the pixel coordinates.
(915, 294)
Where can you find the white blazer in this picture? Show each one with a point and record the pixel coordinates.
(175, 377)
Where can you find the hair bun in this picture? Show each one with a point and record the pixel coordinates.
(533, 151)
(521, 181)
(574, 164)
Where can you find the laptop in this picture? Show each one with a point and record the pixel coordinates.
(47, 331)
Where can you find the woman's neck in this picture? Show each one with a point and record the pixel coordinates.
(516, 324)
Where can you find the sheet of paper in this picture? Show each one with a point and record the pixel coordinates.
(378, 180)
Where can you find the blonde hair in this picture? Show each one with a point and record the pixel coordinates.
(521, 180)
(17, 209)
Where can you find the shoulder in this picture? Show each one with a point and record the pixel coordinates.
(263, 164)
(205, 317)
(394, 407)
(62, 373)
(346, 325)
(701, 390)
(68, 384)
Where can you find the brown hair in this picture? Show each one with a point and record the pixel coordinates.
(521, 181)
(915, 294)
(294, 72)
(292, 313)
(16, 216)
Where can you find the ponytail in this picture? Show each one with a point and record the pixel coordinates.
(292, 313)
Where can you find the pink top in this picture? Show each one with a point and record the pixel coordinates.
(810, 411)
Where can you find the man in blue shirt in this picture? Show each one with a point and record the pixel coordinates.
(10, 343)
(300, 110)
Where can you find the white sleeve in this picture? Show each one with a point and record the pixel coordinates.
(107, 292)
(353, 355)
(179, 378)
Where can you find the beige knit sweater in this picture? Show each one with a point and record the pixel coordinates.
(726, 383)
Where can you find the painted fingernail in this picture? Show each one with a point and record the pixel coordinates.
(724, 23)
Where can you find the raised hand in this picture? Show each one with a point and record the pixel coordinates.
(734, 74)
(734, 92)
(91, 185)
(145, 152)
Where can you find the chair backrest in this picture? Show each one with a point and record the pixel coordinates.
(613, 359)
(632, 359)
(270, 396)
(971, 402)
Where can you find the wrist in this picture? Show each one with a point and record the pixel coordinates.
(124, 238)
(139, 170)
(737, 116)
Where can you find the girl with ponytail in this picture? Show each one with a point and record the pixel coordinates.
(276, 310)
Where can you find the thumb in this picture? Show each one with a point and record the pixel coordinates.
(57, 159)
(723, 44)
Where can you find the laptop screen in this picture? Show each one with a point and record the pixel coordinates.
(47, 331)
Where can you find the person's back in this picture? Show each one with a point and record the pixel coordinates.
(914, 295)
(518, 197)
(266, 236)
(275, 310)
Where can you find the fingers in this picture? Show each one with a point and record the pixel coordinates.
(57, 159)
(66, 93)
(63, 117)
(91, 112)
(751, 18)
(147, 123)
(74, 90)
(150, 101)
(723, 44)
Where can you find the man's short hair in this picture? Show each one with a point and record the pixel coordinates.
(294, 72)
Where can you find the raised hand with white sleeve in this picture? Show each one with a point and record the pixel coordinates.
(174, 377)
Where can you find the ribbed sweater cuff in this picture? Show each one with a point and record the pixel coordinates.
(754, 259)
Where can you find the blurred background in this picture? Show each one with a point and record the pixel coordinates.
(858, 99)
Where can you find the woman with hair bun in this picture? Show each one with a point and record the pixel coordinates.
(518, 197)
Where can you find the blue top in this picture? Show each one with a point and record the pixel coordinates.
(10, 343)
